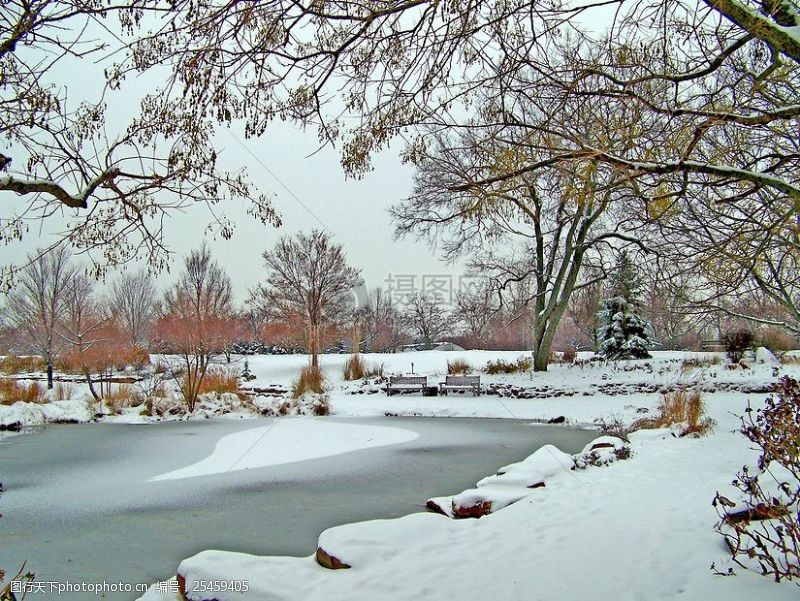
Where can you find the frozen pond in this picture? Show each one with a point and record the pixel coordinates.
(80, 505)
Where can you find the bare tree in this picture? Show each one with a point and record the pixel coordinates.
(309, 276)
(394, 65)
(38, 303)
(475, 309)
(404, 62)
(382, 323)
(61, 154)
(706, 112)
(474, 195)
(203, 289)
(134, 300)
(81, 325)
(427, 319)
(196, 324)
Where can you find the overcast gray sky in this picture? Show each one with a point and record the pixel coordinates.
(309, 192)
(312, 192)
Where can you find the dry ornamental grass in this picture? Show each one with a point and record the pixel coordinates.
(12, 391)
(11, 364)
(680, 406)
(220, 381)
(311, 379)
(458, 366)
(508, 367)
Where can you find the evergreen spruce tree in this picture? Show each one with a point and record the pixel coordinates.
(623, 332)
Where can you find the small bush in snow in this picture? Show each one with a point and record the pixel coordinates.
(311, 379)
(63, 391)
(12, 391)
(767, 531)
(778, 341)
(692, 363)
(354, 367)
(458, 366)
(11, 364)
(308, 404)
(219, 381)
(614, 426)
(602, 451)
(679, 406)
(737, 342)
(121, 396)
(501, 366)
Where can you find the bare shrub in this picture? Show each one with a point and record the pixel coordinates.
(376, 371)
(220, 381)
(311, 379)
(614, 426)
(700, 362)
(120, 397)
(22, 578)
(778, 341)
(458, 366)
(768, 531)
(355, 368)
(679, 407)
(737, 342)
(501, 366)
(321, 406)
(63, 391)
(12, 391)
(569, 355)
(138, 357)
(12, 364)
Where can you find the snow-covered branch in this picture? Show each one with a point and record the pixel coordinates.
(780, 30)
(43, 186)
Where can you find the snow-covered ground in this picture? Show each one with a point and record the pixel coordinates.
(593, 390)
(636, 529)
(639, 529)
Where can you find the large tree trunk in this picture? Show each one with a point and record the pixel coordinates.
(50, 374)
(541, 348)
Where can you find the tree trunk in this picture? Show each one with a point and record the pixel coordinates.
(313, 345)
(91, 385)
(540, 360)
(50, 374)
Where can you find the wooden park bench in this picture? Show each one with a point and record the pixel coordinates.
(461, 384)
(406, 384)
(712, 345)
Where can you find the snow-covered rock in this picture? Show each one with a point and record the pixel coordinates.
(360, 544)
(510, 484)
(602, 451)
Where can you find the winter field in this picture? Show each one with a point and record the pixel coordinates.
(638, 528)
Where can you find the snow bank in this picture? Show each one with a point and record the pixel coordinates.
(510, 484)
(25, 415)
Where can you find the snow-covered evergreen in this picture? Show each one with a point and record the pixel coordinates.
(623, 333)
